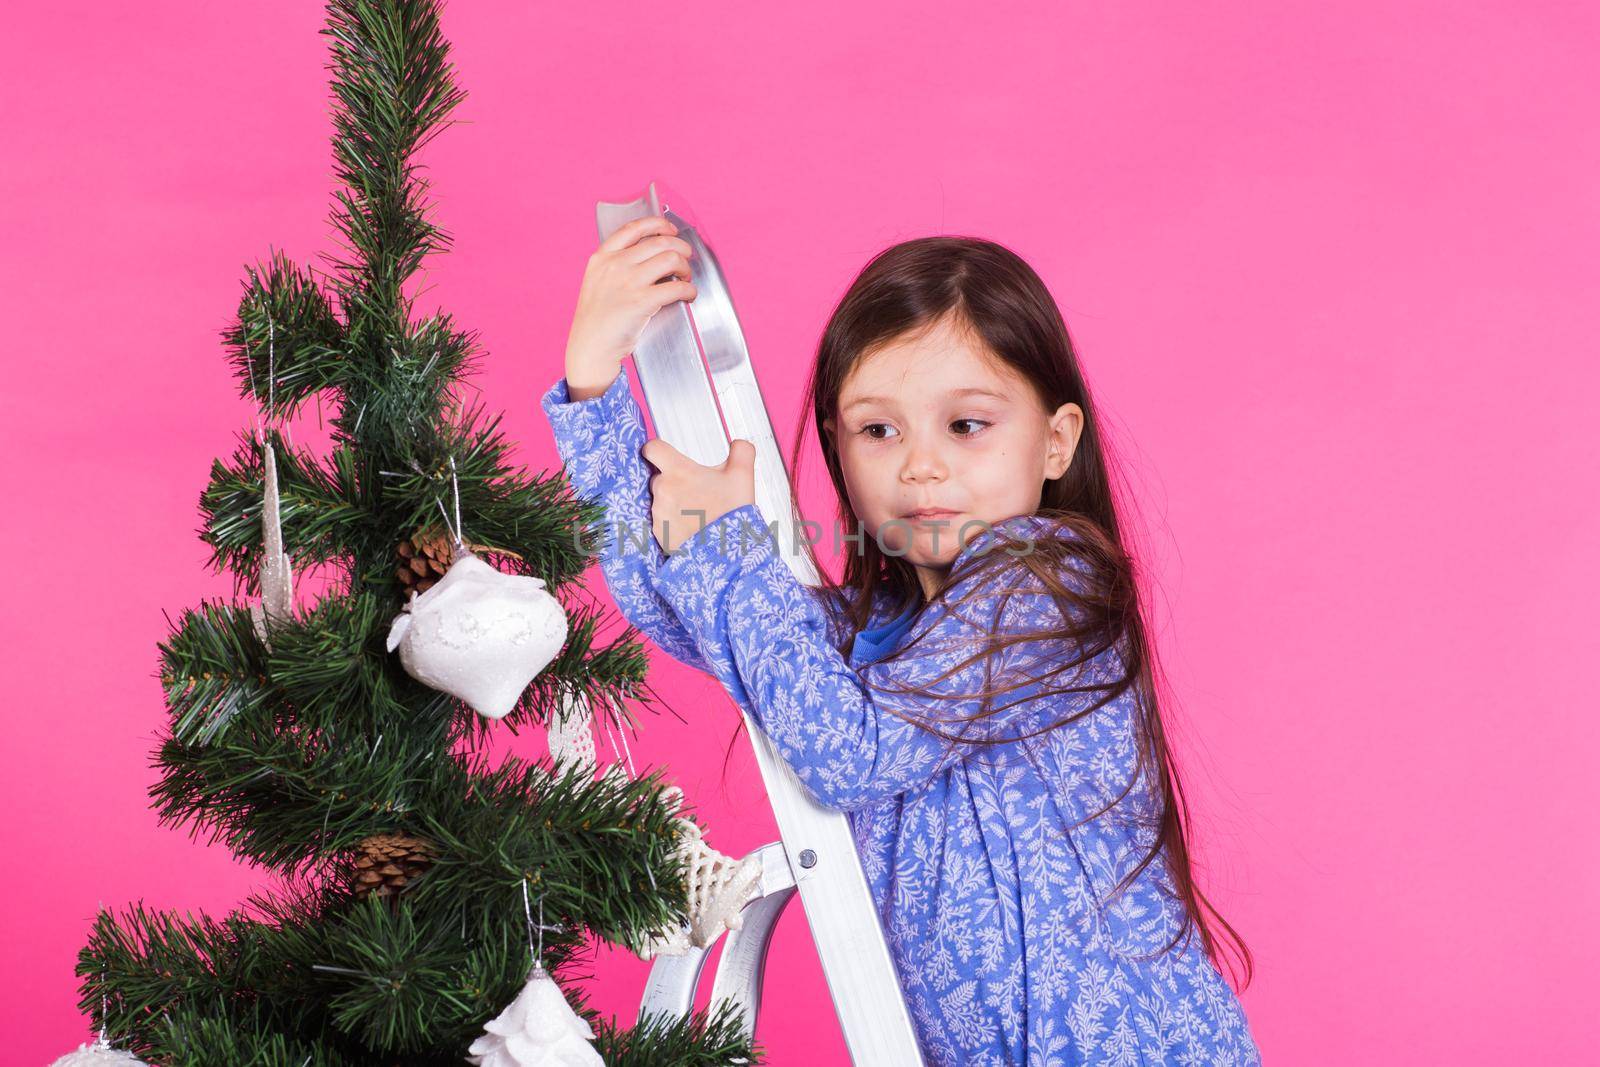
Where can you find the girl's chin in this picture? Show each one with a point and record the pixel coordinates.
(927, 545)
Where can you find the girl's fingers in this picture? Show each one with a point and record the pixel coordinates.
(658, 453)
(654, 244)
(630, 232)
(662, 264)
(665, 293)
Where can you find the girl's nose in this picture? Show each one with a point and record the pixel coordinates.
(921, 465)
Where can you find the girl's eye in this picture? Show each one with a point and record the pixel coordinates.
(866, 430)
(980, 422)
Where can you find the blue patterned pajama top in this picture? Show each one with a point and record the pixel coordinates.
(998, 919)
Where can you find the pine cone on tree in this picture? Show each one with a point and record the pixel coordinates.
(425, 556)
(385, 863)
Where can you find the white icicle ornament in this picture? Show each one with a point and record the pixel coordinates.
(538, 1029)
(99, 1054)
(277, 576)
(571, 736)
(479, 634)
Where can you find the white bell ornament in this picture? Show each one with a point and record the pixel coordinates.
(99, 1054)
(538, 1029)
(479, 634)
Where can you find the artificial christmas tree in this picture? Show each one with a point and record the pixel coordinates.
(403, 859)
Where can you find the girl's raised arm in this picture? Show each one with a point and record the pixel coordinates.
(599, 430)
(766, 639)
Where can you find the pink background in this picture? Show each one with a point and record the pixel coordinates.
(1331, 272)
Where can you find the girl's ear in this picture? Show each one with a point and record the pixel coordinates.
(1066, 426)
(827, 424)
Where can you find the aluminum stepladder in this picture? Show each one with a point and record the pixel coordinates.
(817, 856)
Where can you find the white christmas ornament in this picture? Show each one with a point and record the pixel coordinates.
(99, 1054)
(479, 634)
(538, 1029)
(277, 577)
(718, 887)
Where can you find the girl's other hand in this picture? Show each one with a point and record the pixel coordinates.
(635, 272)
(686, 497)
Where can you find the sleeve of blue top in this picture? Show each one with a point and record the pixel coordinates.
(846, 731)
(599, 439)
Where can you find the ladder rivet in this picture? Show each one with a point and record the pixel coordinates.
(808, 858)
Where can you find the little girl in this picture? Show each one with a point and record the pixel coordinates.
(976, 693)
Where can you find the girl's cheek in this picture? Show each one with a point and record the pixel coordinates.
(859, 458)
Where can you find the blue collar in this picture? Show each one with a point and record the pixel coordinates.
(875, 642)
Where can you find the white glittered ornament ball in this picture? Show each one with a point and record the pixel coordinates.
(538, 1029)
(479, 634)
(99, 1054)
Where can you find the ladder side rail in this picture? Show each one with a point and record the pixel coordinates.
(833, 889)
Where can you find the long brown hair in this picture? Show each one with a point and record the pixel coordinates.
(990, 290)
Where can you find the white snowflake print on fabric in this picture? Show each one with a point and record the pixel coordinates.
(1010, 947)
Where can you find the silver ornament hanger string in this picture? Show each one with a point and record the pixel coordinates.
(263, 418)
(105, 1042)
(272, 368)
(458, 540)
(612, 731)
(535, 948)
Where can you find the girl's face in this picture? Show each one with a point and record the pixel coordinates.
(936, 421)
